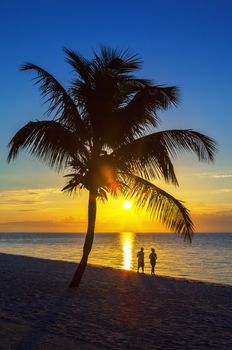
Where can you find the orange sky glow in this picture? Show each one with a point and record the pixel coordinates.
(47, 209)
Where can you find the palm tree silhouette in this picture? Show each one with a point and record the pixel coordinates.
(102, 133)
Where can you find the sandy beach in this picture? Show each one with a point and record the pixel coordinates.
(112, 309)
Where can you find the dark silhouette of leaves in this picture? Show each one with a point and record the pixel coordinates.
(100, 133)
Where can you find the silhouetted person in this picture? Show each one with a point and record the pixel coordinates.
(153, 258)
(140, 256)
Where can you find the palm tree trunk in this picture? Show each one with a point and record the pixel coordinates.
(88, 241)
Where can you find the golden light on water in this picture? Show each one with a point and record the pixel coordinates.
(127, 205)
(127, 242)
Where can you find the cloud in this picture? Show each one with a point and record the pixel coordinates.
(222, 176)
(23, 210)
(226, 190)
(27, 223)
(26, 197)
(60, 225)
(217, 221)
(18, 201)
(215, 176)
(70, 220)
(222, 190)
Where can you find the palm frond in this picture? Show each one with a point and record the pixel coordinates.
(60, 102)
(47, 140)
(81, 65)
(75, 181)
(161, 206)
(176, 141)
(119, 60)
(145, 103)
(147, 158)
(102, 194)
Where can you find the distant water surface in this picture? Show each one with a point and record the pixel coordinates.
(208, 258)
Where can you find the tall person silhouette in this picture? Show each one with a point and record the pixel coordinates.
(153, 258)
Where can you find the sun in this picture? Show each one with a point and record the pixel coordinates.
(127, 205)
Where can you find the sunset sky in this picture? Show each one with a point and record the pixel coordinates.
(181, 42)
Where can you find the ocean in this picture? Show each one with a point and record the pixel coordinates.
(208, 258)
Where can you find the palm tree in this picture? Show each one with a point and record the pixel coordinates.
(102, 133)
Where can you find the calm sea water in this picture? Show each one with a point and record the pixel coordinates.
(208, 258)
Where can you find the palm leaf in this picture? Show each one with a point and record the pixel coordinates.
(75, 181)
(49, 141)
(81, 65)
(147, 158)
(176, 141)
(145, 103)
(162, 207)
(136, 110)
(120, 61)
(58, 98)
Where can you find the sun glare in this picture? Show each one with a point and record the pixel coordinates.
(127, 205)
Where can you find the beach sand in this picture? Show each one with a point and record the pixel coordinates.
(112, 309)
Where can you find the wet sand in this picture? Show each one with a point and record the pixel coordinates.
(112, 309)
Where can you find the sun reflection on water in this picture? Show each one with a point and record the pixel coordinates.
(127, 243)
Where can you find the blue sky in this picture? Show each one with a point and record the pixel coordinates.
(185, 43)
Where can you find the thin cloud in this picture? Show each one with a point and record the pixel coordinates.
(222, 190)
(40, 226)
(27, 223)
(26, 197)
(226, 190)
(215, 176)
(19, 201)
(70, 220)
(222, 176)
(218, 221)
(23, 210)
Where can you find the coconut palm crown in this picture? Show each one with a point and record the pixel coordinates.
(101, 131)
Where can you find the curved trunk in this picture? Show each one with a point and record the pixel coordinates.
(88, 241)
